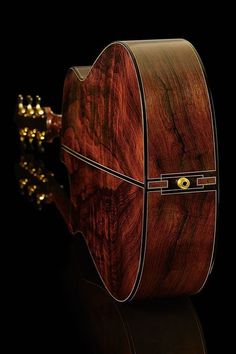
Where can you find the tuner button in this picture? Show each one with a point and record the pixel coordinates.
(31, 189)
(23, 182)
(21, 108)
(39, 110)
(40, 197)
(43, 178)
(29, 99)
(20, 99)
(41, 135)
(32, 133)
(24, 164)
(43, 198)
(37, 99)
(23, 131)
(30, 110)
(33, 172)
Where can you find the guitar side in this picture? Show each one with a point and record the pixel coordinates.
(140, 121)
(181, 224)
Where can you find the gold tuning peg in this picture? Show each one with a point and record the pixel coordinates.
(23, 132)
(39, 110)
(31, 133)
(21, 107)
(24, 164)
(40, 197)
(30, 110)
(43, 198)
(42, 178)
(23, 182)
(40, 135)
(31, 189)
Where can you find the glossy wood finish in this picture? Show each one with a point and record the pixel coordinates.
(180, 236)
(180, 133)
(112, 230)
(103, 114)
(53, 124)
(142, 114)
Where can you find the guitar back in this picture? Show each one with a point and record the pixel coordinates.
(138, 142)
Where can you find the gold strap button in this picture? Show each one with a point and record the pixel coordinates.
(183, 183)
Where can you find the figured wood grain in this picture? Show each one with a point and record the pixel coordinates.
(179, 118)
(111, 221)
(143, 111)
(180, 240)
(105, 113)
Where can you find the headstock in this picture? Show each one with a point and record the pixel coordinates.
(34, 180)
(40, 186)
(36, 123)
(31, 120)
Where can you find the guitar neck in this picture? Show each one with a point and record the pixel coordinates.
(53, 124)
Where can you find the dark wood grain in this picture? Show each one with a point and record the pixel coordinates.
(180, 238)
(111, 222)
(142, 114)
(105, 113)
(179, 118)
(53, 124)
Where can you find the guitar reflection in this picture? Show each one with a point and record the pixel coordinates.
(157, 326)
(110, 327)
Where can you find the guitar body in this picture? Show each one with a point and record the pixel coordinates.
(132, 128)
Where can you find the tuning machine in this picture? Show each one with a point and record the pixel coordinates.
(29, 110)
(23, 182)
(21, 107)
(43, 198)
(31, 121)
(39, 110)
(29, 107)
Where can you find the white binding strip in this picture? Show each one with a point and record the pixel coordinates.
(165, 175)
(143, 247)
(210, 103)
(143, 242)
(165, 191)
(182, 192)
(102, 167)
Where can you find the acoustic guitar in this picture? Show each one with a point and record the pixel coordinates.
(138, 139)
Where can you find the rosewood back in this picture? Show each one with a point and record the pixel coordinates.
(133, 126)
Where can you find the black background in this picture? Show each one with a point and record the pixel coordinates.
(38, 48)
